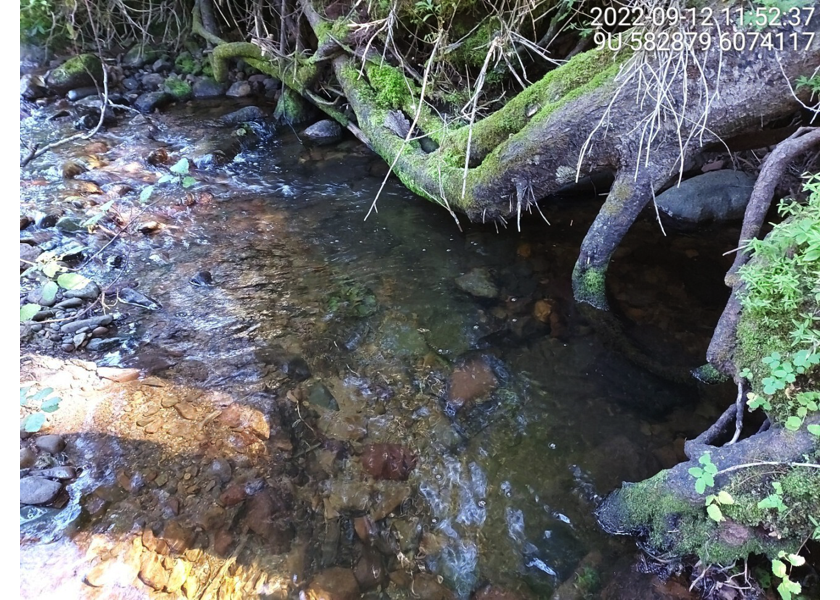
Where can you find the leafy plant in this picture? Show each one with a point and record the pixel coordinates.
(714, 502)
(705, 474)
(774, 500)
(48, 404)
(787, 588)
(178, 173)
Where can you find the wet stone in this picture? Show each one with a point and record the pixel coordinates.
(204, 87)
(65, 472)
(320, 396)
(370, 571)
(387, 461)
(470, 382)
(333, 584)
(90, 291)
(322, 133)
(117, 374)
(187, 411)
(220, 468)
(243, 115)
(234, 494)
(178, 537)
(27, 458)
(149, 101)
(103, 344)
(222, 541)
(240, 89)
(237, 416)
(38, 490)
(478, 283)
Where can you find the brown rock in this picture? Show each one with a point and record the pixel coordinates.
(117, 374)
(187, 411)
(333, 584)
(152, 572)
(99, 575)
(471, 382)
(27, 458)
(390, 498)
(387, 461)
(542, 310)
(153, 543)
(177, 537)
(238, 416)
(234, 494)
(365, 528)
(222, 541)
(370, 571)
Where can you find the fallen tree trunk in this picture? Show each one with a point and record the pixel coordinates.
(640, 115)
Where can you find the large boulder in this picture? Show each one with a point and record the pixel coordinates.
(78, 72)
(714, 196)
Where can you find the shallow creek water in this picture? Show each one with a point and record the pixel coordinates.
(239, 457)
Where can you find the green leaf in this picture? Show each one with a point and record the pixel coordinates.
(50, 404)
(711, 469)
(695, 472)
(72, 281)
(147, 191)
(48, 292)
(24, 394)
(188, 182)
(706, 459)
(700, 486)
(27, 311)
(42, 394)
(101, 212)
(709, 479)
(796, 560)
(714, 513)
(182, 167)
(34, 422)
(50, 269)
(710, 498)
(814, 429)
(801, 411)
(793, 423)
(166, 179)
(724, 498)
(790, 586)
(779, 569)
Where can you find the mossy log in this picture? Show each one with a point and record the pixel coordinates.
(583, 117)
(669, 516)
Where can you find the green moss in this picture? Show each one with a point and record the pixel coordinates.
(389, 84)
(178, 88)
(76, 72)
(291, 108)
(709, 374)
(186, 64)
(589, 285)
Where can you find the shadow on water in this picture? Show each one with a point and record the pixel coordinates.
(327, 333)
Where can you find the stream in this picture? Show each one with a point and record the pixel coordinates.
(410, 400)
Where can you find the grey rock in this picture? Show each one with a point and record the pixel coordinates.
(320, 396)
(140, 56)
(90, 291)
(28, 253)
(91, 323)
(162, 64)
(152, 81)
(243, 115)
(50, 443)
(70, 303)
(270, 84)
(79, 93)
(37, 490)
(240, 89)
(204, 87)
(148, 102)
(322, 133)
(69, 225)
(65, 472)
(220, 468)
(714, 196)
(129, 295)
(479, 283)
(131, 84)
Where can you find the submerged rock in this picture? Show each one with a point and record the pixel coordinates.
(478, 283)
(471, 382)
(333, 584)
(715, 196)
(240, 89)
(322, 133)
(387, 461)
